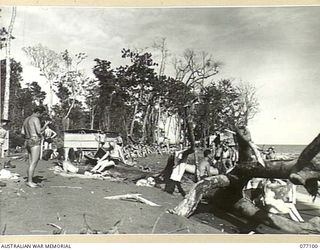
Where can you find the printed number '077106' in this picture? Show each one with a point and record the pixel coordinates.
(308, 245)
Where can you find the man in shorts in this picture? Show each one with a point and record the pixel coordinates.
(32, 131)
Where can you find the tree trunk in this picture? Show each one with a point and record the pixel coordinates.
(65, 123)
(133, 118)
(159, 119)
(178, 131)
(309, 152)
(169, 125)
(151, 126)
(124, 121)
(50, 97)
(7, 79)
(92, 115)
(70, 108)
(250, 211)
(107, 118)
(144, 125)
(8, 66)
(189, 204)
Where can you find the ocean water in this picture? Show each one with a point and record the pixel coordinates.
(286, 149)
(290, 150)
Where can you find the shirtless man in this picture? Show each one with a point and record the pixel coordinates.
(206, 165)
(32, 130)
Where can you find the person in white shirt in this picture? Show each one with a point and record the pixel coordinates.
(177, 172)
(3, 136)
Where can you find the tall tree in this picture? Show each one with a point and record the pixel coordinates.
(107, 84)
(36, 92)
(194, 68)
(22, 100)
(248, 105)
(74, 80)
(5, 114)
(92, 101)
(49, 63)
(15, 91)
(160, 45)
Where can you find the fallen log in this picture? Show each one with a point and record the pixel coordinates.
(247, 209)
(189, 204)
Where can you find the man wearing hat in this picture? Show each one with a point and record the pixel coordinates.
(3, 136)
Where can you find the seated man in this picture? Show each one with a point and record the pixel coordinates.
(226, 156)
(103, 163)
(270, 154)
(110, 155)
(206, 165)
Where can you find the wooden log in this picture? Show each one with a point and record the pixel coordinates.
(247, 209)
(307, 176)
(238, 177)
(189, 204)
(309, 152)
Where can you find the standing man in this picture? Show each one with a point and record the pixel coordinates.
(32, 131)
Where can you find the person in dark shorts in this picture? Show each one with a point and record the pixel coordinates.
(31, 129)
(49, 135)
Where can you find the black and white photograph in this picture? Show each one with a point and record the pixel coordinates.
(159, 120)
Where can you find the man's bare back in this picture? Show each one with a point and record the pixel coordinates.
(31, 127)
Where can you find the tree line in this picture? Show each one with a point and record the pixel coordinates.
(135, 99)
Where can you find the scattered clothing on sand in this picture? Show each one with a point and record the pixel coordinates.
(149, 182)
(6, 174)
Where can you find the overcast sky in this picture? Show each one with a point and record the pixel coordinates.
(275, 49)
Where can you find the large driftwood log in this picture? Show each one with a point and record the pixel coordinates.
(302, 171)
(247, 209)
(203, 187)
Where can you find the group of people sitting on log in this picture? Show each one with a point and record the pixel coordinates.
(220, 157)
